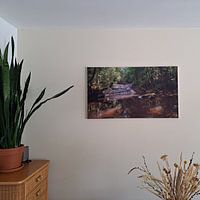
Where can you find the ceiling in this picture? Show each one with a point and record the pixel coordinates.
(101, 13)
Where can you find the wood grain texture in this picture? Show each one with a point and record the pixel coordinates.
(21, 176)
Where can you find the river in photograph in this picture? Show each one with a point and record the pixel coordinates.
(129, 104)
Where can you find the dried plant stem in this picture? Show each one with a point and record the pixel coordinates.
(181, 184)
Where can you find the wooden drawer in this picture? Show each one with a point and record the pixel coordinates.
(29, 183)
(35, 180)
(39, 193)
(12, 192)
(43, 197)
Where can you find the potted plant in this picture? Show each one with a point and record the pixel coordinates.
(177, 182)
(13, 118)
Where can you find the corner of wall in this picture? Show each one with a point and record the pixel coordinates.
(7, 30)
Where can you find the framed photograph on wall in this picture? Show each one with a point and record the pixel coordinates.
(132, 92)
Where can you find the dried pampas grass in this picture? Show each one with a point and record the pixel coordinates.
(180, 183)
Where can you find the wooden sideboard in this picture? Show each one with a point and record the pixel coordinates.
(29, 183)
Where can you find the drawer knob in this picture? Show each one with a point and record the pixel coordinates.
(39, 178)
(38, 193)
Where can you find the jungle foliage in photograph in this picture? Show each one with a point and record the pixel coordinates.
(132, 92)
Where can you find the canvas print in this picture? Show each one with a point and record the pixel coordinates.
(132, 92)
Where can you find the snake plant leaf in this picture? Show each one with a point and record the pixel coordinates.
(39, 98)
(13, 50)
(14, 98)
(60, 93)
(27, 82)
(53, 97)
(7, 119)
(18, 82)
(1, 78)
(5, 74)
(22, 101)
(43, 102)
(5, 55)
(1, 59)
(15, 78)
(2, 125)
(16, 130)
(6, 82)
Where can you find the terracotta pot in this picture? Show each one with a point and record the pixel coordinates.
(11, 159)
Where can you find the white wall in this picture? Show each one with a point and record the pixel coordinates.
(90, 158)
(6, 31)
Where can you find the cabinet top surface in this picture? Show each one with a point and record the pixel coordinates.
(20, 176)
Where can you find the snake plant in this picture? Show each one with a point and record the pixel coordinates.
(13, 118)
